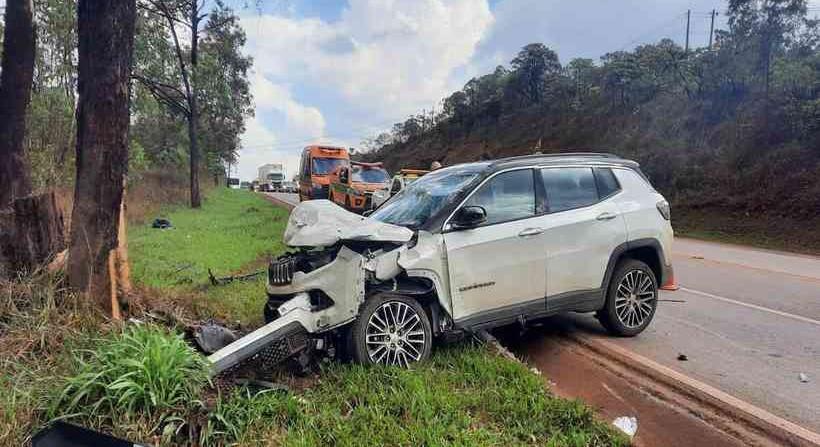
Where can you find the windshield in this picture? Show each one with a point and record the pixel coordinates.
(324, 166)
(369, 175)
(426, 196)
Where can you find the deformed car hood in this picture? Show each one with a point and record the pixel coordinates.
(322, 223)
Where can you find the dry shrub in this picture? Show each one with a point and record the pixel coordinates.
(154, 190)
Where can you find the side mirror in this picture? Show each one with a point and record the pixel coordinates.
(366, 213)
(469, 217)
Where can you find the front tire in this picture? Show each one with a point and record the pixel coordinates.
(631, 301)
(391, 330)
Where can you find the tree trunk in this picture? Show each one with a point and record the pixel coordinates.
(15, 94)
(106, 39)
(31, 232)
(193, 118)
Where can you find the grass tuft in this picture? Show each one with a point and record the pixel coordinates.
(142, 372)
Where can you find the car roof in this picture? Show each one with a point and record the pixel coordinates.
(563, 158)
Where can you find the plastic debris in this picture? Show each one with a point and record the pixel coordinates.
(803, 377)
(627, 424)
(682, 357)
(212, 337)
(161, 223)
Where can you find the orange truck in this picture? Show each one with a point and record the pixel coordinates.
(353, 186)
(317, 165)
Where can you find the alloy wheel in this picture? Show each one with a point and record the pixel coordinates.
(394, 335)
(634, 299)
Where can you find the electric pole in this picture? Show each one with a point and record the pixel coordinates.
(712, 28)
(688, 16)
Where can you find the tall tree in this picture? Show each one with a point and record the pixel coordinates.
(106, 39)
(208, 86)
(15, 94)
(186, 15)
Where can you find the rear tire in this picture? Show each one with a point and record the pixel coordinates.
(391, 330)
(631, 300)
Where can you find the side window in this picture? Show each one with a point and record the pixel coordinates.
(569, 188)
(507, 196)
(606, 181)
(305, 166)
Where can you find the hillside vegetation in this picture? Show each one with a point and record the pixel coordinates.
(731, 134)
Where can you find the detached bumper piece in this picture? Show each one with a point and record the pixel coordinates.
(270, 344)
(61, 434)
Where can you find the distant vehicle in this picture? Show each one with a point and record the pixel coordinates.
(315, 167)
(255, 185)
(273, 174)
(233, 183)
(290, 187)
(353, 186)
(399, 182)
(245, 185)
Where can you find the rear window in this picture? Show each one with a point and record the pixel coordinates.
(606, 181)
(569, 188)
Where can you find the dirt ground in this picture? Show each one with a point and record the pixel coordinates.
(572, 373)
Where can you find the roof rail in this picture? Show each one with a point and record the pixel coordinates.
(563, 154)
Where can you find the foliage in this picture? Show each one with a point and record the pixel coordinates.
(142, 372)
(157, 129)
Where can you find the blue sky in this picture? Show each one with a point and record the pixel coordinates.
(339, 71)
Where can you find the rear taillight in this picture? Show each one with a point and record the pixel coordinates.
(663, 208)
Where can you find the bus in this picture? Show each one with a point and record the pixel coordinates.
(315, 167)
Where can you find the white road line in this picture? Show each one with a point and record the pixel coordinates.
(752, 306)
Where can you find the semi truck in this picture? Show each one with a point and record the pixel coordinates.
(271, 174)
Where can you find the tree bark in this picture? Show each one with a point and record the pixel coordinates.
(193, 118)
(31, 233)
(15, 94)
(106, 41)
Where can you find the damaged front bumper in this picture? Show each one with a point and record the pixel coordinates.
(307, 311)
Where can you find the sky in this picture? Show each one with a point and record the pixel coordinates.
(336, 72)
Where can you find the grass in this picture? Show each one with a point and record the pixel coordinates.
(233, 228)
(144, 383)
(465, 395)
(142, 371)
(232, 232)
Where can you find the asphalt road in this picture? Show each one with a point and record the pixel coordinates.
(747, 320)
(287, 197)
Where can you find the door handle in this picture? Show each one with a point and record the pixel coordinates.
(606, 216)
(530, 232)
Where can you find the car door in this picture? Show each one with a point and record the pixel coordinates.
(582, 229)
(497, 270)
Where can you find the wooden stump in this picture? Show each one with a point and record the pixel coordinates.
(31, 232)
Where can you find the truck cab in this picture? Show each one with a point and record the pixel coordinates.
(315, 169)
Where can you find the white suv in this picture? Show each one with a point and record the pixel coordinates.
(469, 247)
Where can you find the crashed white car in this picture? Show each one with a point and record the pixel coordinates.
(468, 247)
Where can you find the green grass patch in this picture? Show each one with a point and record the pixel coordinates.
(232, 232)
(232, 229)
(465, 395)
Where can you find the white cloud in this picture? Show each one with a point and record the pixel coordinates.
(380, 61)
(383, 56)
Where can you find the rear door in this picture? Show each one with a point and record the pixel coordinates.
(497, 271)
(583, 227)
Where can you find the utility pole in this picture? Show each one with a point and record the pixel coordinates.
(688, 16)
(712, 28)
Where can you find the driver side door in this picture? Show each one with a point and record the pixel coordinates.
(498, 269)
